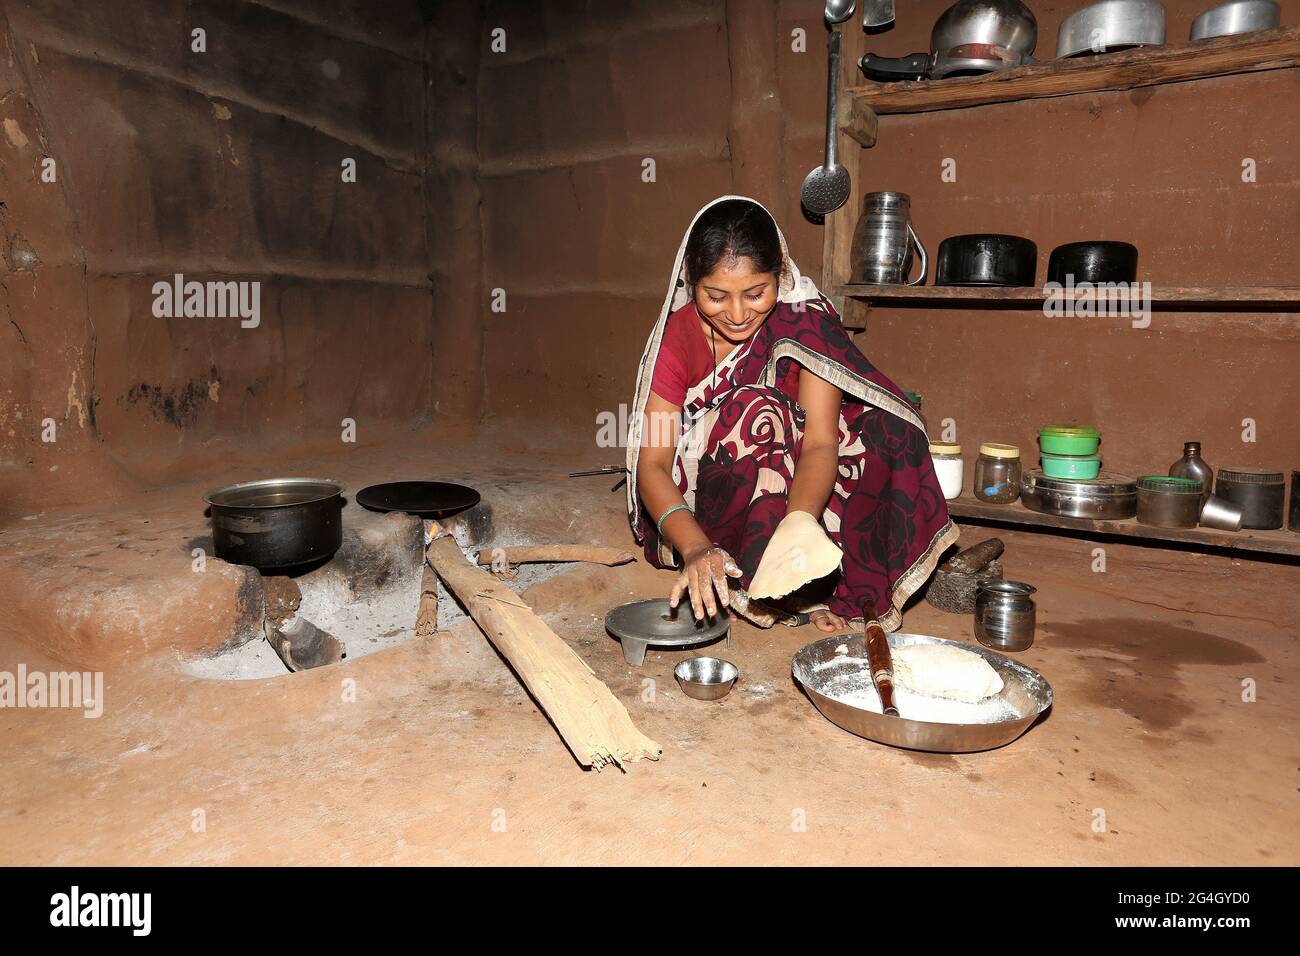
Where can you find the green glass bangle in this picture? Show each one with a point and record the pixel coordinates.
(663, 516)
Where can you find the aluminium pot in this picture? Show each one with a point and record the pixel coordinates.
(986, 259)
(1111, 25)
(971, 36)
(277, 523)
(1236, 17)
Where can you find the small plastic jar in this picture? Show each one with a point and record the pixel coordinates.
(948, 467)
(997, 473)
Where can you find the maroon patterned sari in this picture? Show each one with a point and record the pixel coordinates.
(735, 464)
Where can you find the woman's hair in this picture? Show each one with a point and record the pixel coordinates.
(731, 230)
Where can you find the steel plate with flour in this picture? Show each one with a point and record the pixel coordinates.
(839, 684)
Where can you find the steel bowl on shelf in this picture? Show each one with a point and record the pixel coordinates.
(1110, 26)
(1237, 17)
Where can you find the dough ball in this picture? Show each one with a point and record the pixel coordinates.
(940, 670)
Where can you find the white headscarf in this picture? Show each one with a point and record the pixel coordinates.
(794, 287)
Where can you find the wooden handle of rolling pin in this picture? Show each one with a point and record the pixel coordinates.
(881, 663)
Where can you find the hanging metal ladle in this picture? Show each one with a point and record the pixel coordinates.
(827, 187)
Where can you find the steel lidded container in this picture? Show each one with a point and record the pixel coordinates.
(1259, 493)
(1108, 496)
(1169, 502)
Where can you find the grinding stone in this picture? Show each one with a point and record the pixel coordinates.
(955, 593)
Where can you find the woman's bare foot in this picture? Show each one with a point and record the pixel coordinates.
(828, 622)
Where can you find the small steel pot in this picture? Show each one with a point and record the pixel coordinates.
(1005, 615)
(971, 36)
(277, 523)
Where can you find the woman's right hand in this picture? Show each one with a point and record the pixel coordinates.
(704, 574)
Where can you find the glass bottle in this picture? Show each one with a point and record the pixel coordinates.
(1192, 465)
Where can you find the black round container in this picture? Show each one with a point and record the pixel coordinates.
(1257, 491)
(1169, 502)
(1293, 522)
(1099, 261)
(277, 523)
(986, 259)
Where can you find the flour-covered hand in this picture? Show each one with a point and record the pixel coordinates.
(705, 574)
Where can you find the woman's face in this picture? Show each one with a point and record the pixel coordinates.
(735, 299)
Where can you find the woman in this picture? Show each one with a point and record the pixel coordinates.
(787, 435)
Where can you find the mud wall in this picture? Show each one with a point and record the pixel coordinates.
(600, 137)
(132, 151)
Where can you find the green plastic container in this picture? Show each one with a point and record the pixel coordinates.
(1068, 440)
(1084, 467)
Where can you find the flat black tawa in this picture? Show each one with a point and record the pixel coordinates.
(428, 499)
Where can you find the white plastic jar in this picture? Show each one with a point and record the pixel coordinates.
(948, 467)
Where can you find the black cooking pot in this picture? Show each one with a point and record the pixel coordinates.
(986, 259)
(277, 523)
(1097, 261)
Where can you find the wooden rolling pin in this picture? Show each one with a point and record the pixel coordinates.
(881, 663)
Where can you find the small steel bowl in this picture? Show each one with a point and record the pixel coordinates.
(706, 678)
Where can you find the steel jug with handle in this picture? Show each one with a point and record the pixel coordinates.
(883, 241)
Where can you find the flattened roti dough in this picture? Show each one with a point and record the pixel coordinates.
(938, 670)
(799, 552)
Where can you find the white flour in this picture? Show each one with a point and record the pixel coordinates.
(848, 679)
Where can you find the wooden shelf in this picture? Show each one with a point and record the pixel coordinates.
(1124, 70)
(859, 298)
(1279, 298)
(1264, 542)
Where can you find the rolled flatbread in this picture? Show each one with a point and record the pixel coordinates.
(799, 552)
